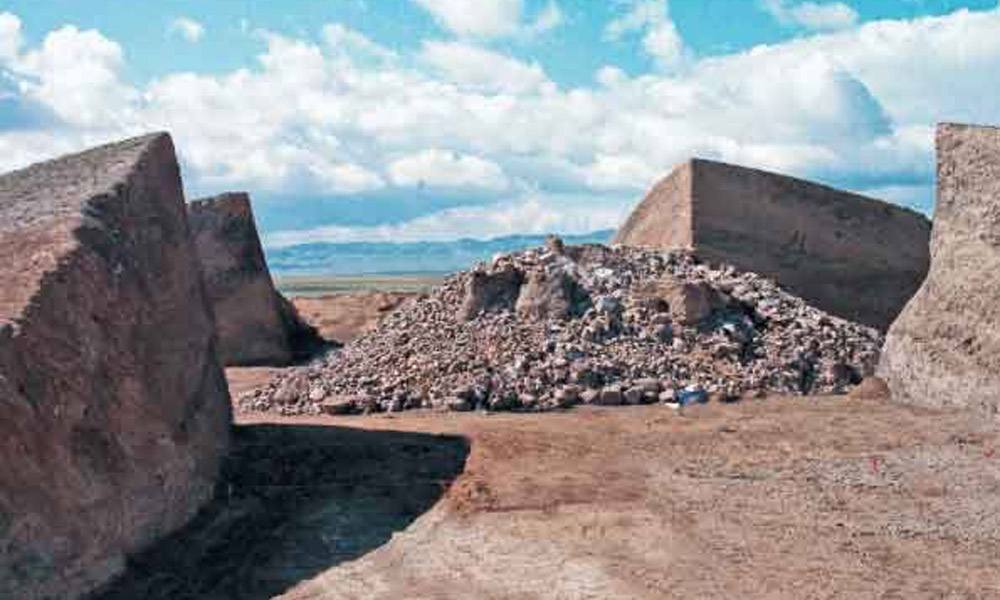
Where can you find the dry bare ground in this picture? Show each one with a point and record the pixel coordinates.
(781, 498)
(792, 499)
(346, 315)
(820, 498)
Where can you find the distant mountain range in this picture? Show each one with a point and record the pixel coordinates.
(382, 258)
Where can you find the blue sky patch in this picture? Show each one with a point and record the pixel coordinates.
(356, 120)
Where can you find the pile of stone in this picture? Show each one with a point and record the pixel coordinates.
(557, 326)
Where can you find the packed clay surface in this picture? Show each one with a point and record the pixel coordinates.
(944, 350)
(780, 499)
(346, 316)
(553, 327)
(852, 256)
(116, 411)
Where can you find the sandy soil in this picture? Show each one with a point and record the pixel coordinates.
(247, 379)
(344, 316)
(783, 498)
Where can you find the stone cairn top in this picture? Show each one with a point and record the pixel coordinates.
(556, 326)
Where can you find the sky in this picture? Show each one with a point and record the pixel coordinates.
(408, 120)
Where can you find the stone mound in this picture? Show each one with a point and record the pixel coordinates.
(116, 413)
(255, 324)
(852, 256)
(605, 326)
(944, 350)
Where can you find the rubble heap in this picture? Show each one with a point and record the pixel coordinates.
(557, 326)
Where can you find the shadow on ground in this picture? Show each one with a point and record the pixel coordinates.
(295, 501)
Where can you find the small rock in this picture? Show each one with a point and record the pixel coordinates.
(663, 333)
(555, 245)
(343, 405)
(608, 305)
(633, 396)
(289, 392)
(649, 385)
(456, 404)
(871, 388)
(567, 396)
(611, 396)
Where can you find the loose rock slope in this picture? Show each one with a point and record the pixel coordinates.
(557, 326)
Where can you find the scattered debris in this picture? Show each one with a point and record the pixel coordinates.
(560, 325)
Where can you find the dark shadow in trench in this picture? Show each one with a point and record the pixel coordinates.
(295, 501)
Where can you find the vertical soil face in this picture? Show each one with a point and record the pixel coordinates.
(252, 330)
(852, 256)
(944, 350)
(116, 411)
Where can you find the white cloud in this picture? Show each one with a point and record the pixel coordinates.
(843, 107)
(481, 69)
(440, 168)
(488, 18)
(187, 28)
(77, 75)
(492, 18)
(550, 18)
(347, 178)
(10, 36)
(621, 172)
(812, 15)
(345, 40)
(661, 39)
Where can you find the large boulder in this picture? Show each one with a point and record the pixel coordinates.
(255, 325)
(116, 413)
(551, 294)
(944, 350)
(852, 256)
(490, 292)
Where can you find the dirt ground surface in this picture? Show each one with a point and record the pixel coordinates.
(344, 316)
(781, 498)
(247, 379)
(339, 317)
